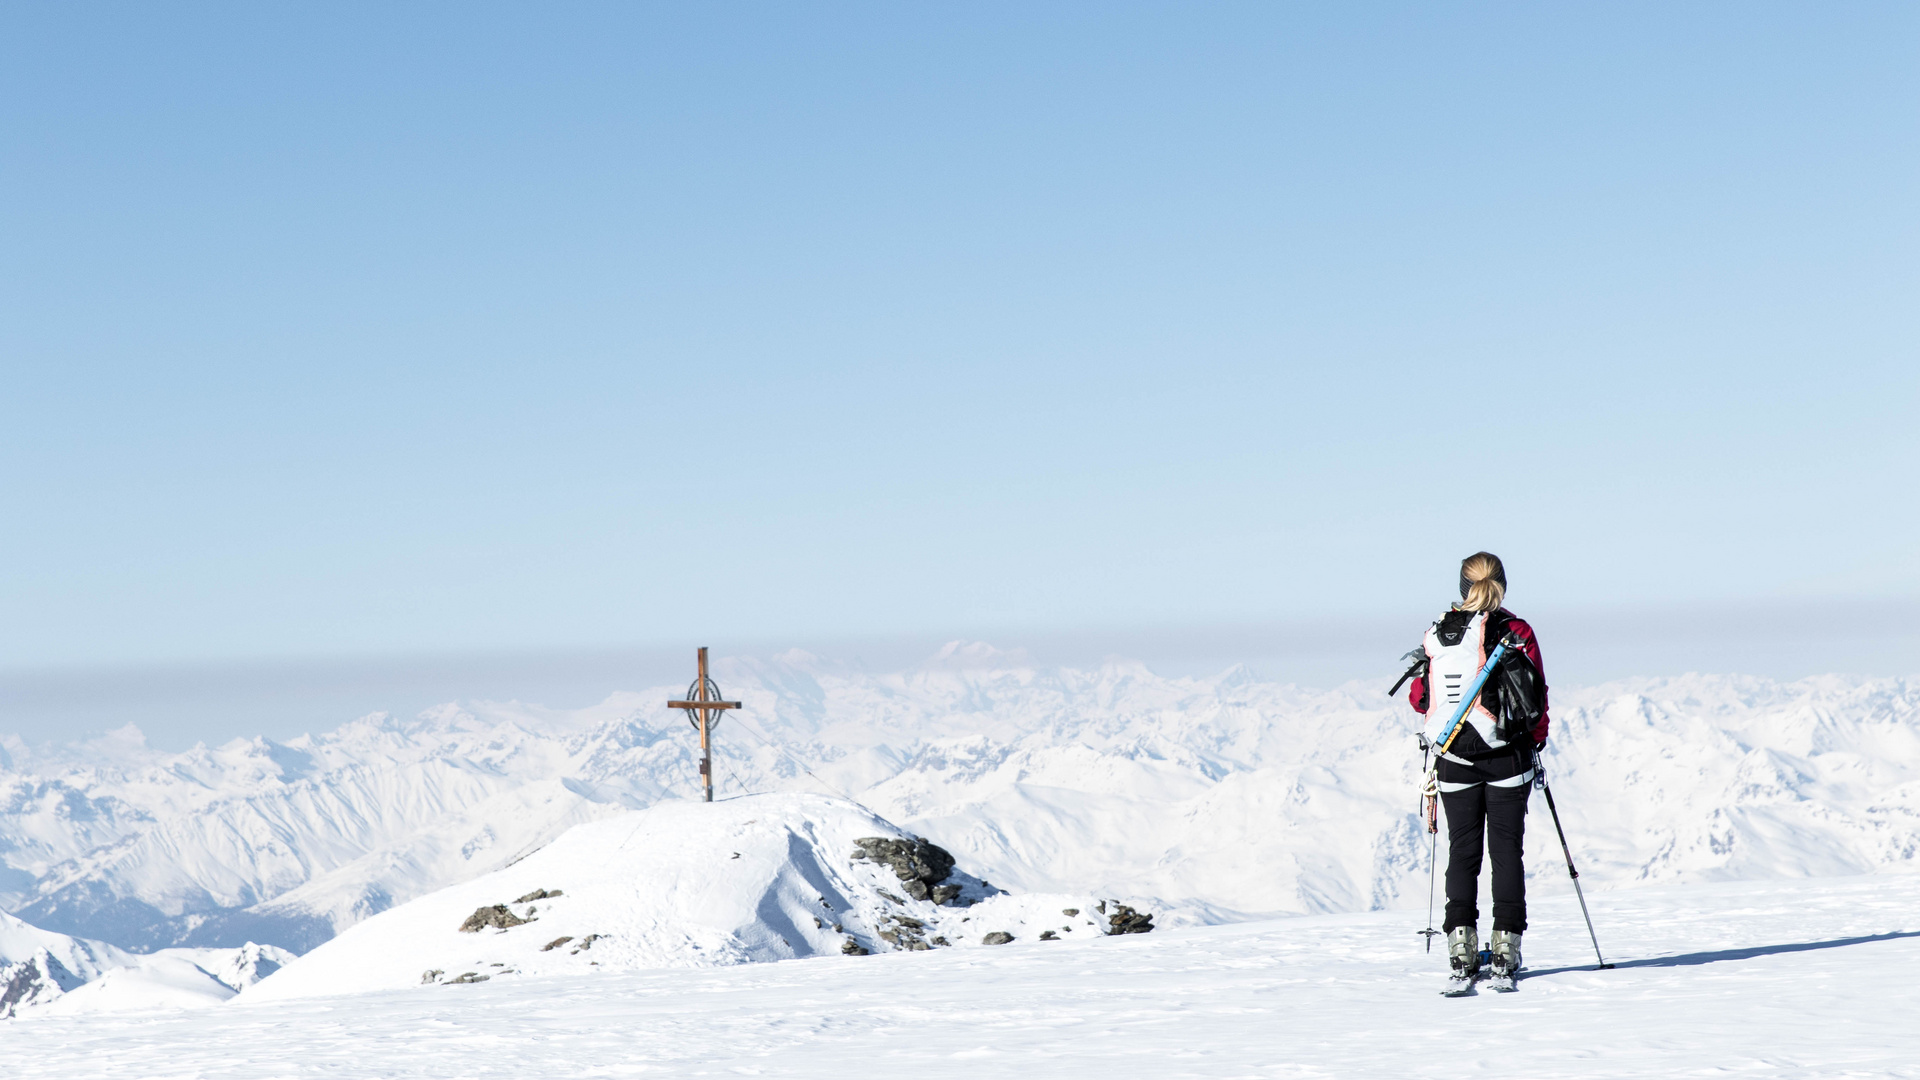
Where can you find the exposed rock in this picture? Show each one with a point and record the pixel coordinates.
(1048, 935)
(941, 941)
(585, 943)
(538, 894)
(945, 894)
(495, 915)
(918, 864)
(904, 932)
(429, 975)
(853, 948)
(1070, 912)
(891, 898)
(1125, 920)
(556, 943)
(469, 977)
(998, 937)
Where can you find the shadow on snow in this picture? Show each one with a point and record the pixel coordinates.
(1717, 955)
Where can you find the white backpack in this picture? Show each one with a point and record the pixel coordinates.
(1450, 671)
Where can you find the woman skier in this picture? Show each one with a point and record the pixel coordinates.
(1485, 770)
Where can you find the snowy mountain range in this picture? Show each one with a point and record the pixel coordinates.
(1219, 797)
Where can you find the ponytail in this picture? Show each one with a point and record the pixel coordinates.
(1483, 582)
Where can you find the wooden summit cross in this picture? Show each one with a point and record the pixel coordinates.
(703, 707)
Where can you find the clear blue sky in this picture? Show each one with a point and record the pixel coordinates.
(381, 330)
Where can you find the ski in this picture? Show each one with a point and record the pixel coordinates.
(1501, 984)
(1460, 985)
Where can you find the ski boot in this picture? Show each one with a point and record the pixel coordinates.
(1463, 957)
(1506, 960)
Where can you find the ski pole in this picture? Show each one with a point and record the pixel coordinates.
(1429, 795)
(1540, 781)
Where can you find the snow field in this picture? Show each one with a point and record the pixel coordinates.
(1763, 979)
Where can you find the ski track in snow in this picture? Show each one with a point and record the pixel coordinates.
(1771, 979)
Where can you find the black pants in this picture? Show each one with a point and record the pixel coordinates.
(1499, 816)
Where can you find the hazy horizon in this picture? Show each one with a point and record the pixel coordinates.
(176, 705)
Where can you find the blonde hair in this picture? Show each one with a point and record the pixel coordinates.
(1485, 582)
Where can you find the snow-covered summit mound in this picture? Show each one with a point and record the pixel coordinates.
(683, 884)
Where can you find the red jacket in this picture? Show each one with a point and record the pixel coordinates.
(1500, 623)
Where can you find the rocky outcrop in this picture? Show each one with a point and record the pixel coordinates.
(920, 866)
(494, 915)
(1125, 920)
(501, 917)
(904, 932)
(934, 886)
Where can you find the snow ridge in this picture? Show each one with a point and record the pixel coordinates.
(51, 973)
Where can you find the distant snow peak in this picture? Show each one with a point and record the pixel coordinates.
(798, 660)
(960, 655)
